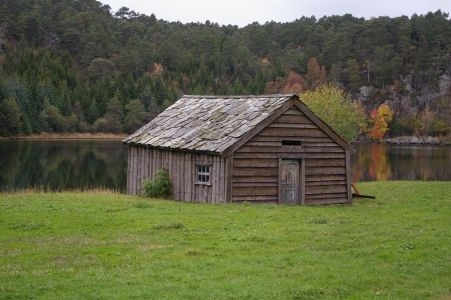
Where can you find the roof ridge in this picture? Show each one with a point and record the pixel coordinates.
(239, 96)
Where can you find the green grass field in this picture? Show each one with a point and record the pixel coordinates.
(110, 246)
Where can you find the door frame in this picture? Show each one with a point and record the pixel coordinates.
(301, 185)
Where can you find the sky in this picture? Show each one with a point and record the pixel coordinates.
(244, 12)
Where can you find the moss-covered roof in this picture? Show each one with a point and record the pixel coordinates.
(206, 123)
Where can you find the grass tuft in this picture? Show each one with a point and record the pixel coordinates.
(142, 205)
(27, 226)
(171, 225)
(317, 221)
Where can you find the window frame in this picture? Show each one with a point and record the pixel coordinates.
(200, 172)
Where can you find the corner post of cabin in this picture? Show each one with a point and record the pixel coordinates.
(229, 178)
(348, 176)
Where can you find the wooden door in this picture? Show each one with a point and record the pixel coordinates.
(290, 182)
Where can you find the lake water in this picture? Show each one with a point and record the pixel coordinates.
(63, 164)
(71, 164)
(375, 162)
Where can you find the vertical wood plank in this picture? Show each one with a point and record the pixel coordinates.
(146, 163)
(186, 176)
(130, 180)
(166, 160)
(152, 167)
(149, 172)
(175, 161)
(127, 191)
(156, 165)
(189, 188)
(179, 176)
(348, 176)
(172, 173)
(229, 179)
(182, 176)
(135, 162)
(139, 171)
(140, 167)
(207, 191)
(201, 192)
(215, 180)
(222, 180)
(143, 167)
(218, 175)
(302, 175)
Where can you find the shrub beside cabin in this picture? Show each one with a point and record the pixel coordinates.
(229, 149)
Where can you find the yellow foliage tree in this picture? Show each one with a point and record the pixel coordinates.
(379, 121)
(335, 108)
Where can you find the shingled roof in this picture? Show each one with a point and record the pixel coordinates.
(207, 123)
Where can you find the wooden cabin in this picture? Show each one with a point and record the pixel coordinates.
(229, 149)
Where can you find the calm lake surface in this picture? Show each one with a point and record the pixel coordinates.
(71, 164)
(375, 162)
(63, 164)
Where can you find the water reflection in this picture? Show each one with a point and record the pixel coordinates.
(60, 165)
(401, 162)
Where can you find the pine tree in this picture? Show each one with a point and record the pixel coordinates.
(131, 88)
(10, 121)
(93, 112)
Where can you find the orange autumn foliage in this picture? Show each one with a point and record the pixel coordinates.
(295, 84)
(379, 122)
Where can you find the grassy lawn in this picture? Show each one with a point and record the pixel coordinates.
(110, 246)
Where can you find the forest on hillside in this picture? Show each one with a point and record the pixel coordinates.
(77, 66)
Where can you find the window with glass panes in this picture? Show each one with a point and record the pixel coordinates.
(203, 174)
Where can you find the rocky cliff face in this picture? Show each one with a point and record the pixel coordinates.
(406, 98)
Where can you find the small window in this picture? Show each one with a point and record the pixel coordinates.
(291, 143)
(203, 174)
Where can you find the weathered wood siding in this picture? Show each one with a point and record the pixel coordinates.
(143, 162)
(256, 163)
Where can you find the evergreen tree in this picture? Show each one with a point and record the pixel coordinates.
(10, 121)
(93, 112)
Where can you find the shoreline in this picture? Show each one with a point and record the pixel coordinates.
(408, 140)
(67, 136)
(401, 140)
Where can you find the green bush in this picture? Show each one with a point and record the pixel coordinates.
(410, 125)
(160, 187)
(439, 127)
